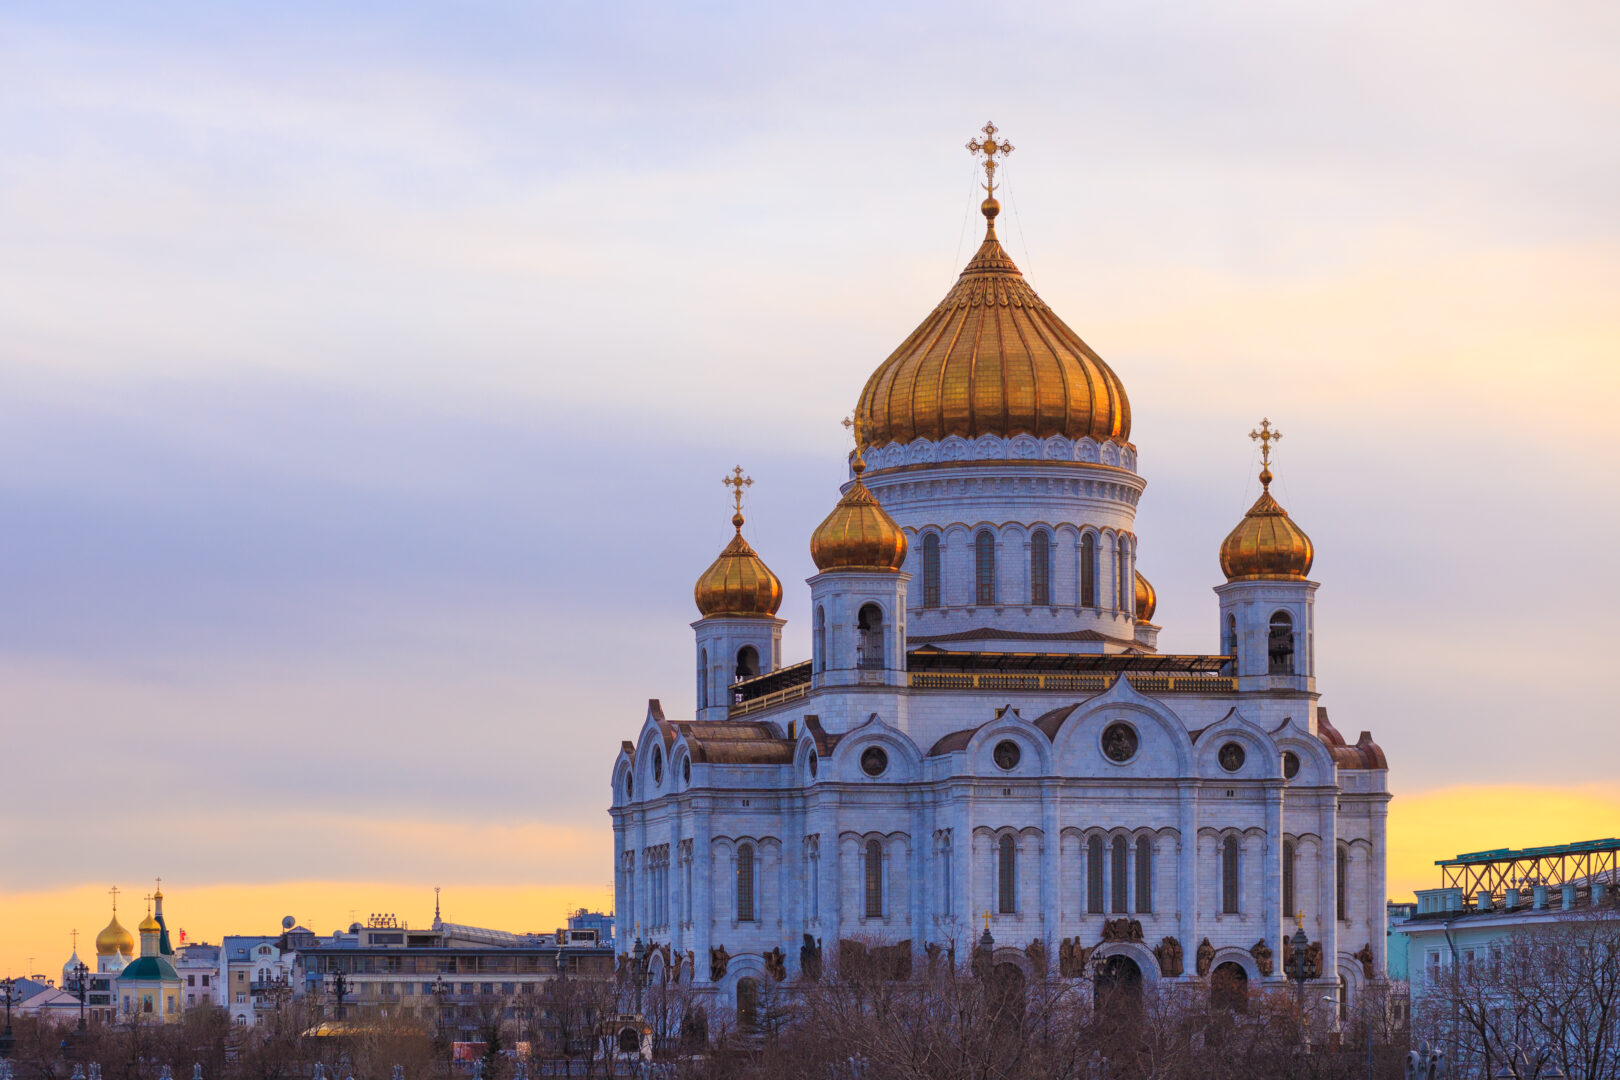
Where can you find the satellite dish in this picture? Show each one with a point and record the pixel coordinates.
(288, 923)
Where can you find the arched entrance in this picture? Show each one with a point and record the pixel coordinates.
(1229, 988)
(1006, 994)
(1118, 984)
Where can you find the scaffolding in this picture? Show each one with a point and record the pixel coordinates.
(1495, 872)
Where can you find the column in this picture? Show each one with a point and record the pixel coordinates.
(962, 856)
(1326, 907)
(703, 913)
(1271, 911)
(1376, 913)
(922, 847)
(1051, 866)
(1187, 873)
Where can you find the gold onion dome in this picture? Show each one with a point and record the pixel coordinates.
(1147, 599)
(1266, 545)
(114, 939)
(858, 534)
(149, 925)
(738, 582)
(993, 359)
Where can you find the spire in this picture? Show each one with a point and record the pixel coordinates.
(436, 920)
(988, 148)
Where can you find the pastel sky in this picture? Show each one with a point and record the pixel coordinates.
(367, 377)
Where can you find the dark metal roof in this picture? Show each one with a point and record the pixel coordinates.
(780, 679)
(1475, 858)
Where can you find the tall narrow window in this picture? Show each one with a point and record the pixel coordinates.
(1144, 875)
(821, 639)
(1088, 571)
(1007, 876)
(1040, 570)
(1121, 870)
(745, 883)
(984, 568)
(1230, 879)
(1288, 908)
(869, 640)
(874, 879)
(1281, 644)
(1341, 874)
(945, 877)
(813, 885)
(1126, 592)
(1094, 875)
(747, 662)
(703, 678)
(930, 569)
(1231, 636)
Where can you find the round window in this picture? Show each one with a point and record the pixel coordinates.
(874, 762)
(1007, 755)
(658, 765)
(1231, 757)
(813, 764)
(1290, 764)
(1119, 742)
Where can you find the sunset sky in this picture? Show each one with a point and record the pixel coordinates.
(367, 378)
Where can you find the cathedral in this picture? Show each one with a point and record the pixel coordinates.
(985, 737)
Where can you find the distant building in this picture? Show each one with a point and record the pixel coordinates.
(198, 966)
(148, 988)
(1486, 897)
(1398, 911)
(598, 921)
(258, 973)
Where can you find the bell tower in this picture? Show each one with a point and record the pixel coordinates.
(739, 635)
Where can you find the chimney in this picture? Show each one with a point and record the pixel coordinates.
(1483, 901)
(1599, 890)
(1569, 896)
(1510, 899)
(1539, 895)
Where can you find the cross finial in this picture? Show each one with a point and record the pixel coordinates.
(159, 892)
(114, 893)
(987, 920)
(737, 481)
(75, 942)
(857, 428)
(1265, 435)
(989, 147)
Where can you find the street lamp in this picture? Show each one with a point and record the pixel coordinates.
(339, 985)
(1298, 945)
(79, 984)
(13, 995)
(638, 970)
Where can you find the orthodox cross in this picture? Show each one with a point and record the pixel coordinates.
(1265, 435)
(75, 943)
(858, 429)
(159, 887)
(737, 481)
(114, 892)
(989, 147)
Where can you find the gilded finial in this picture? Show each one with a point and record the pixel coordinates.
(114, 893)
(737, 481)
(987, 920)
(989, 148)
(75, 943)
(858, 429)
(1265, 435)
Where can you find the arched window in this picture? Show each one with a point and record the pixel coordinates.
(1094, 875)
(984, 568)
(821, 639)
(1088, 571)
(747, 1003)
(1230, 878)
(874, 879)
(1341, 874)
(1288, 879)
(745, 883)
(930, 570)
(747, 662)
(1121, 870)
(1007, 875)
(1126, 592)
(1231, 636)
(703, 678)
(1144, 875)
(1281, 646)
(869, 642)
(1040, 570)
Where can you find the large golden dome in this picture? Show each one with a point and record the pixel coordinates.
(115, 939)
(993, 359)
(738, 582)
(858, 534)
(1266, 545)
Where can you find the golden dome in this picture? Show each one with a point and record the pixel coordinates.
(1266, 545)
(993, 359)
(150, 925)
(858, 534)
(114, 939)
(1147, 599)
(738, 582)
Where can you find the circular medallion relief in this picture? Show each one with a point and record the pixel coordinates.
(1231, 757)
(1007, 755)
(658, 765)
(1119, 742)
(813, 764)
(874, 762)
(1290, 764)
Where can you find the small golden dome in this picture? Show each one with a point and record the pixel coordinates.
(738, 582)
(1147, 599)
(858, 534)
(149, 925)
(114, 939)
(1266, 545)
(993, 359)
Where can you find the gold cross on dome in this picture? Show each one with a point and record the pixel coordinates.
(1265, 435)
(75, 942)
(114, 893)
(989, 148)
(858, 429)
(737, 481)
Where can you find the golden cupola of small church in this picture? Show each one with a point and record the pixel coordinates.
(1267, 544)
(738, 582)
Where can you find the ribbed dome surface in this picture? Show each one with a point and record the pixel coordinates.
(1266, 544)
(1147, 599)
(858, 534)
(993, 359)
(738, 582)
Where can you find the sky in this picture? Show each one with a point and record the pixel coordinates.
(368, 371)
